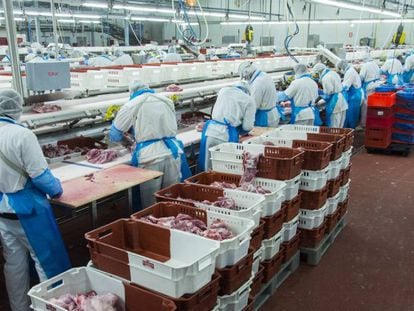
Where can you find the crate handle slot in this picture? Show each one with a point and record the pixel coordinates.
(204, 263)
(105, 233)
(55, 285)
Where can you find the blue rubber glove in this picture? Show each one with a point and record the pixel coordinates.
(48, 184)
(281, 97)
(115, 134)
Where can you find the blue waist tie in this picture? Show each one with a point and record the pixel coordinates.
(233, 138)
(296, 110)
(173, 144)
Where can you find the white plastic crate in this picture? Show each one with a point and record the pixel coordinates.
(273, 201)
(343, 192)
(74, 281)
(311, 219)
(90, 80)
(299, 128)
(290, 228)
(333, 204)
(314, 180)
(292, 187)
(335, 168)
(271, 246)
(249, 205)
(237, 300)
(285, 134)
(257, 258)
(233, 152)
(346, 158)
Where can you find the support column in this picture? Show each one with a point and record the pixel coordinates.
(126, 32)
(37, 29)
(54, 22)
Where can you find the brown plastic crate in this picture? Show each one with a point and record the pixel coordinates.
(311, 238)
(233, 277)
(280, 163)
(379, 137)
(348, 133)
(291, 247)
(272, 267)
(182, 192)
(332, 220)
(141, 299)
(346, 175)
(257, 237)
(334, 185)
(317, 154)
(314, 199)
(257, 282)
(250, 305)
(338, 143)
(273, 224)
(291, 208)
(343, 207)
(208, 177)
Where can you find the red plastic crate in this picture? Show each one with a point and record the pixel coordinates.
(380, 112)
(379, 122)
(386, 99)
(379, 137)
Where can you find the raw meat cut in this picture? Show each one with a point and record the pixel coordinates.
(45, 108)
(218, 230)
(250, 163)
(55, 151)
(224, 202)
(100, 156)
(89, 301)
(223, 184)
(248, 187)
(200, 126)
(174, 88)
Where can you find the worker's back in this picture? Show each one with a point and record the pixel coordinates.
(351, 78)
(124, 59)
(304, 91)
(370, 71)
(392, 66)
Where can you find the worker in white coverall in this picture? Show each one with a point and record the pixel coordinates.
(30, 55)
(27, 224)
(263, 91)
(352, 88)
(370, 74)
(122, 58)
(172, 56)
(408, 74)
(336, 105)
(393, 69)
(153, 121)
(6, 58)
(233, 114)
(302, 94)
(102, 60)
(38, 58)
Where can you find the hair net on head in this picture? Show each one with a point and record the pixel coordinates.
(318, 68)
(11, 104)
(106, 51)
(246, 69)
(342, 65)
(118, 53)
(39, 52)
(300, 69)
(137, 86)
(366, 58)
(29, 50)
(244, 86)
(52, 55)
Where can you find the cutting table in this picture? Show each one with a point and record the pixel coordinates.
(88, 189)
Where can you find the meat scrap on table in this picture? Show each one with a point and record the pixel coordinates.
(101, 156)
(45, 108)
(90, 301)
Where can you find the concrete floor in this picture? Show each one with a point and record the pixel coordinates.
(371, 264)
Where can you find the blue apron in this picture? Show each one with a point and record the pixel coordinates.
(390, 78)
(365, 86)
(354, 99)
(407, 76)
(173, 144)
(39, 224)
(233, 138)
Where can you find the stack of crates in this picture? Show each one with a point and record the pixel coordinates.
(403, 128)
(379, 126)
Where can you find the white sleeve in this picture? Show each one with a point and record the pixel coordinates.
(385, 66)
(125, 117)
(363, 73)
(34, 162)
(292, 89)
(249, 116)
(348, 80)
(327, 85)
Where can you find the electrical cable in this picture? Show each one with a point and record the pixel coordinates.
(133, 32)
(289, 38)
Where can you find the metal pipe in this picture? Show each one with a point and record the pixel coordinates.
(54, 22)
(13, 49)
(37, 29)
(309, 17)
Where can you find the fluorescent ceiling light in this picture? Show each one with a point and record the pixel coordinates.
(247, 17)
(214, 14)
(89, 22)
(95, 5)
(143, 9)
(77, 15)
(322, 22)
(149, 19)
(66, 21)
(347, 5)
(38, 13)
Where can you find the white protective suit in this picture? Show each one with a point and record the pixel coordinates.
(303, 91)
(172, 58)
(409, 66)
(370, 74)
(237, 108)
(100, 61)
(394, 67)
(153, 117)
(264, 93)
(331, 84)
(124, 59)
(37, 59)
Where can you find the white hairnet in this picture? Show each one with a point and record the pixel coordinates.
(366, 58)
(342, 65)
(137, 86)
(300, 69)
(11, 104)
(318, 68)
(52, 54)
(244, 86)
(39, 52)
(106, 51)
(246, 69)
(118, 53)
(29, 50)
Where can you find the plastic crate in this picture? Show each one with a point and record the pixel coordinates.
(257, 282)
(250, 303)
(382, 99)
(273, 224)
(249, 205)
(335, 168)
(231, 250)
(83, 280)
(153, 256)
(257, 236)
(271, 246)
(273, 200)
(334, 185)
(346, 159)
(314, 180)
(290, 229)
(291, 208)
(313, 200)
(343, 207)
(275, 163)
(312, 238)
(310, 219)
(346, 175)
(379, 122)
(292, 187)
(232, 277)
(405, 137)
(386, 88)
(378, 137)
(343, 191)
(257, 259)
(332, 220)
(404, 110)
(272, 267)
(317, 154)
(291, 247)
(332, 204)
(237, 300)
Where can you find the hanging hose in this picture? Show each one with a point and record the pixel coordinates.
(289, 38)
